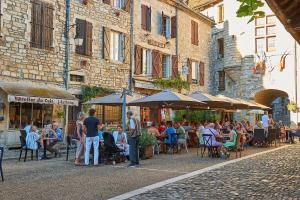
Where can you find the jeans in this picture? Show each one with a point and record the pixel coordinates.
(88, 143)
(134, 150)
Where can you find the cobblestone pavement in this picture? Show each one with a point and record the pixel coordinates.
(60, 180)
(275, 175)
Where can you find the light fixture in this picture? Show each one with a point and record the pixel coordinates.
(78, 41)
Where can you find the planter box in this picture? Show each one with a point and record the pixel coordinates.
(149, 151)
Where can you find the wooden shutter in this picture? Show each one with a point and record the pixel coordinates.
(149, 19)
(221, 80)
(156, 64)
(106, 2)
(201, 74)
(196, 33)
(36, 24)
(80, 33)
(106, 43)
(126, 49)
(192, 32)
(174, 66)
(47, 31)
(89, 39)
(221, 47)
(144, 17)
(138, 60)
(127, 6)
(190, 75)
(174, 27)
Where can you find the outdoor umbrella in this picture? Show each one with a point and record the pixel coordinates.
(236, 104)
(253, 105)
(114, 99)
(210, 100)
(170, 99)
(261, 112)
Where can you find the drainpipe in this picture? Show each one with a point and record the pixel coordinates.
(131, 44)
(67, 55)
(296, 77)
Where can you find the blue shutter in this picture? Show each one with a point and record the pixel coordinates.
(121, 47)
(170, 67)
(168, 31)
(159, 22)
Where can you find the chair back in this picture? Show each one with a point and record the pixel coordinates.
(259, 134)
(238, 140)
(207, 139)
(109, 140)
(22, 141)
(1, 154)
(69, 140)
(271, 135)
(23, 133)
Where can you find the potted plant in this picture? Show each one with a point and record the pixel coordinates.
(146, 143)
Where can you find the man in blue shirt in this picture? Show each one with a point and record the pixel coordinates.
(28, 127)
(55, 135)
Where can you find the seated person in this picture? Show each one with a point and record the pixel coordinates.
(153, 130)
(55, 136)
(295, 133)
(32, 139)
(109, 145)
(180, 133)
(171, 134)
(233, 136)
(209, 130)
(121, 140)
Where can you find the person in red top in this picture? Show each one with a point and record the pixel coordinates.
(162, 127)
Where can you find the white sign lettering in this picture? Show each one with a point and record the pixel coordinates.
(40, 100)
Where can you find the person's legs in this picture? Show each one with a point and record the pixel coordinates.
(96, 149)
(137, 162)
(88, 144)
(131, 150)
(50, 147)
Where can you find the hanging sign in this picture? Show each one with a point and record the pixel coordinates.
(41, 100)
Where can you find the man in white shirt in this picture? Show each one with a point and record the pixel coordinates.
(133, 132)
(265, 121)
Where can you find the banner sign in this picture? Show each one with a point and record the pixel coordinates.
(41, 100)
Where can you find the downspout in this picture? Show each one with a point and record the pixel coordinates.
(176, 40)
(131, 45)
(296, 78)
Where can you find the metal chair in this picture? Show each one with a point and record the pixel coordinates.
(259, 136)
(1, 158)
(271, 136)
(207, 139)
(183, 143)
(24, 147)
(70, 146)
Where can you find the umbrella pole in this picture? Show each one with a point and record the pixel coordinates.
(124, 110)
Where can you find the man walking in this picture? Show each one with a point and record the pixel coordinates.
(134, 130)
(91, 126)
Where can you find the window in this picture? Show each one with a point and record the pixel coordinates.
(110, 114)
(166, 66)
(146, 18)
(195, 72)
(118, 3)
(147, 62)
(166, 26)
(221, 47)
(41, 25)
(221, 80)
(20, 114)
(260, 31)
(265, 33)
(76, 78)
(121, 4)
(221, 13)
(116, 46)
(194, 32)
(271, 44)
(271, 30)
(84, 30)
(259, 44)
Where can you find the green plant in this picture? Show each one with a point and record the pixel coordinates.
(60, 114)
(146, 139)
(89, 92)
(250, 8)
(197, 115)
(176, 83)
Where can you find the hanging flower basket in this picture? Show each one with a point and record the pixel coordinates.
(292, 106)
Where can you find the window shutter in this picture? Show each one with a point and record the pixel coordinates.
(196, 33)
(174, 27)
(127, 49)
(221, 46)
(127, 6)
(106, 2)
(190, 75)
(192, 32)
(156, 64)
(106, 43)
(138, 60)
(144, 17)
(163, 24)
(149, 19)
(201, 74)
(174, 66)
(221, 80)
(47, 31)
(159, 23)
(167, 25)
(80, 33)
(89, 39)
(36, 24)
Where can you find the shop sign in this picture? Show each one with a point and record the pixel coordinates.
(155, 43)
(40, 100)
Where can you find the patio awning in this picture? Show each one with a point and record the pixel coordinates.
(26, 92)
(111, 100)
(235, 103)
(210, 100)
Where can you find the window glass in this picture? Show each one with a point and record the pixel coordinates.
(14, 115)
(117, 46)
(271, 30)
(195, 71)
(37, 115)
(260, 44)
(147, 58)
(260, 21)
(259, 31)
(26, 113)
(166, 66)
(271, 19)
(47, 114)
(271, 43)
(118, 3)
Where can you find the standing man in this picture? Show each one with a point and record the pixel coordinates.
(91, 125)
(265, 121)
(134, 131)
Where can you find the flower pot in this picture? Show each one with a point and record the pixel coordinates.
(148, 151)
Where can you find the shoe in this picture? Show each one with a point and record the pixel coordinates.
(131, 165)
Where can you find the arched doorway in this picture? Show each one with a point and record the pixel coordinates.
(278, 101)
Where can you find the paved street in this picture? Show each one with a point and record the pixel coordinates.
(58, 179)
(275, 175)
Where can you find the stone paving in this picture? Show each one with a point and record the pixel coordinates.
(57, 179)
(275, 175)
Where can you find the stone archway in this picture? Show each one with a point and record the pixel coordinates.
(267, 96)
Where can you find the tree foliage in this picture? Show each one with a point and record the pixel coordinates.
(197, 115)
(89, 92)
(250, 8)
(176, 83)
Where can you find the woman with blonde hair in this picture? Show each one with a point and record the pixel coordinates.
(80, 138)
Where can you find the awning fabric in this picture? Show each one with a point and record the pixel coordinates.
(25, 92)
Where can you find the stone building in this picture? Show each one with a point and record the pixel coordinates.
(32, 56)
(238, 47)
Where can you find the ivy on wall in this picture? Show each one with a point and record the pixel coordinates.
(176, 83)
